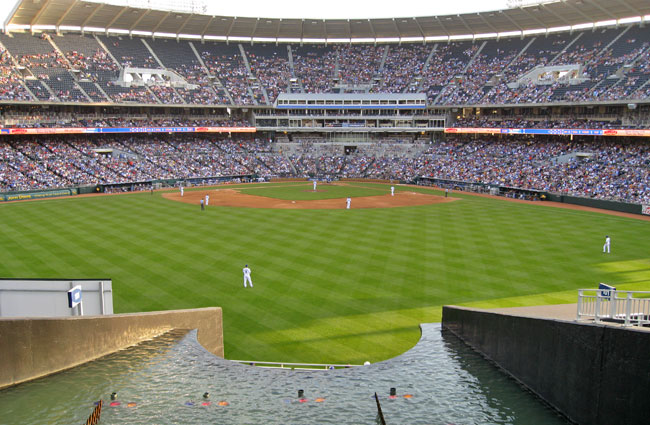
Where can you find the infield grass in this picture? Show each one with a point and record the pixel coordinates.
(331, 286)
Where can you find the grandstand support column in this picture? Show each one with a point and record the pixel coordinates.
(108, 52)
(566, 48)
(643, 86)
(179, 95)
(364, 172)
(383, 59)
(252, 95)
(224, 88)
(293, 72)
(611, 43)
(49, 90)
(424, 67)
(198, 57)
(293, 167)
(82, 91)
(11, 71)
(26, 87)
(337, 66)
(291, 67)
(69, 66)
(250, 72)
(622, 72)
(245, 58)
(471, 61)
(214, 78)
(532, 40)
(153, 54)
(266, 95)
(101, 90)
(153, 94)
(56, 48)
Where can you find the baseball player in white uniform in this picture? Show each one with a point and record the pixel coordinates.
(606, 246)
(315, 184)
(347, 203)
(181, 191)
(392, 191)
(247, 276)
(207, 199)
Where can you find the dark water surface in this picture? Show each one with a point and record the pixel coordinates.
(166, 377)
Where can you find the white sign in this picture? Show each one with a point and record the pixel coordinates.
(645, 209)
(74, 296)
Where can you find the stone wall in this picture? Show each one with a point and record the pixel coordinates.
(35, 347)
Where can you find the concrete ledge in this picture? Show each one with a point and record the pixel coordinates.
(592, 373)
(34, 347)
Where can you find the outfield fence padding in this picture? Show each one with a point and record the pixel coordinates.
(37, 194)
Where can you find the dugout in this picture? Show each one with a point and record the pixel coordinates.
(525, 194)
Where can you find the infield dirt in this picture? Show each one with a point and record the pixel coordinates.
(235, 198)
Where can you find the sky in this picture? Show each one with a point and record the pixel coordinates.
(328, 9)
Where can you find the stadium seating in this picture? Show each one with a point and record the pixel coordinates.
(612, 62)
(602, 170)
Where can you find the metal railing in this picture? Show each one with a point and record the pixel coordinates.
(630, 308)
(296, 366)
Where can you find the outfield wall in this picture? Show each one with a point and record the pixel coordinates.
(597, 203)
(593, 374)
(37, 194)
(31, 348)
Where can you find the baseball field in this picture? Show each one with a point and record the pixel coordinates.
(331, 285)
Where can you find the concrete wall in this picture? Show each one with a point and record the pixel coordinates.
(594, 374)
(49, 297)
(35, 347)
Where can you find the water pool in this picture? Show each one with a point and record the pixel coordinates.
(166, 377)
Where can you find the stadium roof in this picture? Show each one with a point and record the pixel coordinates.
(79, 15)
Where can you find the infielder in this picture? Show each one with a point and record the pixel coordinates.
(606, 246)
(247, 276)
(181, 191)
(207, 199)
(202, 205)
(347, 203)
(392, 191)
(315, 184)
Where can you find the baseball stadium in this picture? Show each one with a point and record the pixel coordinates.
(440, 218)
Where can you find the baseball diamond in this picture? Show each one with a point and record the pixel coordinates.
(331, 285)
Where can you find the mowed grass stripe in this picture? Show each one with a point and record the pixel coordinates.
(331, 285)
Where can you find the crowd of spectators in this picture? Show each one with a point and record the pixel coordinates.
(230, 69)
(600, 66)
(45, 119)
(524, 122)
(596, 169)
(10, 83)
(402, 67)
(589, 168)
(272, 70)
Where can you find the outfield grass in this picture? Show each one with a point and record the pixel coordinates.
(330, 285)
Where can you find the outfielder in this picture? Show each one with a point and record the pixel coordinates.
(315, 184)
(347, 203)
(247, 276)
(606, 246)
